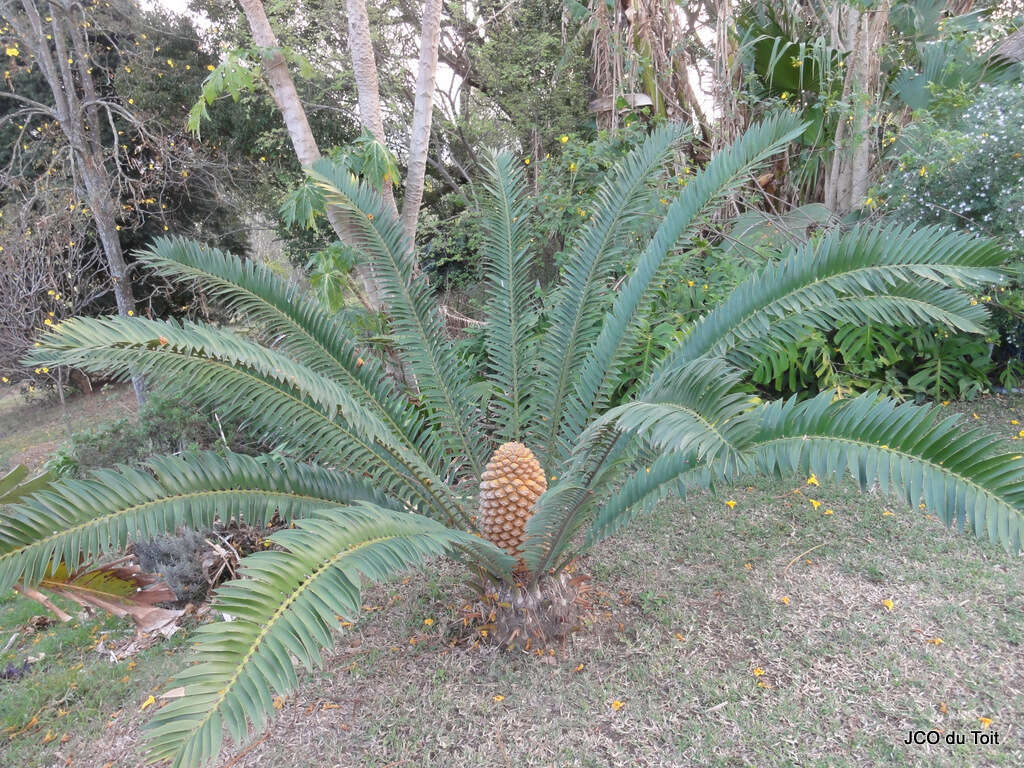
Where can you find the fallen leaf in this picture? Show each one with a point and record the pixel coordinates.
(174, 693)
(985, 721)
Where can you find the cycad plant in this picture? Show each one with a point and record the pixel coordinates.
(382, 477)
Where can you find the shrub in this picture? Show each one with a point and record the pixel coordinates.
(385, 478)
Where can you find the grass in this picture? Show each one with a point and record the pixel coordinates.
(31, 431)
(690, 604)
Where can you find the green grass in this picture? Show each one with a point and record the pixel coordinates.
(30, 431)
(844, 677)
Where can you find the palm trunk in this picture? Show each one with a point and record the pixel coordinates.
(282, 87)
(364, 67)
(419, 141)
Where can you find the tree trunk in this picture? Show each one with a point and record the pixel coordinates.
(364, 67)
(861, 33)
(419, 141)
(282, 88)
(73, 117)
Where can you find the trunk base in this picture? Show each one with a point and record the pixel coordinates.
(520, 617)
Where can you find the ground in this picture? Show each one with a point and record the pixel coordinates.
(765, 633)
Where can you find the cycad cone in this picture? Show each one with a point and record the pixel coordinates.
(509, 487)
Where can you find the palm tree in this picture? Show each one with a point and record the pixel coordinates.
(381, 479)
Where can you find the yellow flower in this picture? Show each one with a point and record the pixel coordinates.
(4, 379)
(572, 167)
(985, 721)
(564, 139)
(785, 600)
(889, 605)
(785, 95)
(748, 566)
(210, 67)
(730, 504)
(815, 503)
(935, 640)
(428, 622)
(150, 700)
(47, 321)
(526, 161)
(829, 512)
(923, 171)
(886, 513)
(131, 313)
(12, 51)
(690, 283)
(1014, 422)
(813, 480)
(499, 697)
(170, 63)
(762, 684)
(617, 705)
(758, 672)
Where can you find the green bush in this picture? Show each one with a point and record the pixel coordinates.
(167, 423)
(967, 172)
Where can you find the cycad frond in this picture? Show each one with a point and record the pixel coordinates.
(109, 343)
(645, 486)
(728, 169)
(862, 263)
(594, 254)
(16, 484)
(287, 605)
(961, 476)
(81, 519)
(701, 414)
(281, 399)
(441, 374)
(911, 304)
(507, 267)
(299, 326)
(700, 411)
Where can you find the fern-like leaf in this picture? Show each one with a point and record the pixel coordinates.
(300, 327)
(962, 476)
(442, 375)
(506, 268)
(729, 168)
(841, 278)
(287, 605)
(596, 251)
(74, 519)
